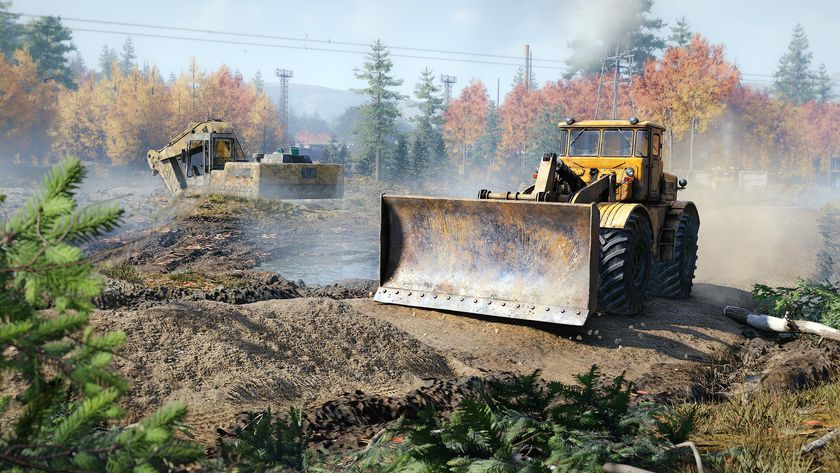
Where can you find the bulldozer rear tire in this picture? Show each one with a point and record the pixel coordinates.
(675, 278)
(625, 266)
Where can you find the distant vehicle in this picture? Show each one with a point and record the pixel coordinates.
(206, 157)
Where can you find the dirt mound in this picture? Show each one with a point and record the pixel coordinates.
(250, 287)
(222, 359)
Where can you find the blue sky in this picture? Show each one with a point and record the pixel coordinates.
(754, 36)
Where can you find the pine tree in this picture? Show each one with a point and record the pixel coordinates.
(397, 163)
(428, 123)
(488, 144)
(418, 158)
(626, 25)
(822, 85)
(107, 59)
(518, 78)
(11, 31)
(430, 100)
(128, 60)
(69, 390)
(49, 41)
(794, 80)
(680, 33)
(379, 115)
(342, 153)
(543, 136)
(77, 65)
(259, 83)
(330, 151)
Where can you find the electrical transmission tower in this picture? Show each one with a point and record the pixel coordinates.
(622, 75)
(284, 75)
(447, 88)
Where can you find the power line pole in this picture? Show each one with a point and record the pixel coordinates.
(622, 64)
(526, 73)
(284, 75)
(447, 88)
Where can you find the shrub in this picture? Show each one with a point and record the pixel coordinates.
(808, 301)
(61, 414)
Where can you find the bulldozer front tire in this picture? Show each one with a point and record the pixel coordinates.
(675, 278)
(625, 266)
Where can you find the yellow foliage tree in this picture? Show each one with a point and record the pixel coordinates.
(26, 107)
(81, 113)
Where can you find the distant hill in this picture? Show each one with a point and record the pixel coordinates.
(326, 102)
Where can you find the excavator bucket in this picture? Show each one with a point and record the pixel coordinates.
(516, 259)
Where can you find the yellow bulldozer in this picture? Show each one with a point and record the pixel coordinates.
(600, 228)
(206, 157)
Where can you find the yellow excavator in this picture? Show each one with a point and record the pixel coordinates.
(600, 228)
(206, 157)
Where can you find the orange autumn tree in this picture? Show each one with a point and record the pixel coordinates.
(821, 135)
(465, 120)
(517, 113)
(27, 105)
(689, 83)
(767, 133)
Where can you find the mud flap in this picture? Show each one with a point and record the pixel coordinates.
(522, 260)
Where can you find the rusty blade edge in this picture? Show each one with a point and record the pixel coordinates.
(481, 305)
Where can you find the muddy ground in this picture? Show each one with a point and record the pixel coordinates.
(235, 306)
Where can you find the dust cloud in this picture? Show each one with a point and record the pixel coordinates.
(744, 241)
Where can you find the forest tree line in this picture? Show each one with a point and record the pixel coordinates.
(53, 106)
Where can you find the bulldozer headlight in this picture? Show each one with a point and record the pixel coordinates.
(570, 120)
(629, 171)
(634, 120)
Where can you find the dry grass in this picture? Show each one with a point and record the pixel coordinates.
(764, 431)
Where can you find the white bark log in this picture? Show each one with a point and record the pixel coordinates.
(776, 324)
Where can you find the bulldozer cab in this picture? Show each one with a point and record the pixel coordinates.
(629, 149)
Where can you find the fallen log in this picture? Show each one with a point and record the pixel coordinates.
(778, 324)
(821, 442)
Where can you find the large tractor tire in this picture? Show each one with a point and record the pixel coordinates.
(675, 278)
(626, 265)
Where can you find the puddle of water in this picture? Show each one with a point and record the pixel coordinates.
(328, 257)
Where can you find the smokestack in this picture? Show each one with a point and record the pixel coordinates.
(526, 76)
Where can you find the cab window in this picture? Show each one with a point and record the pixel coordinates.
(223, 152)
(584, 142)
(563, 143)
(617, 142)
(642, 138)
(654, 148)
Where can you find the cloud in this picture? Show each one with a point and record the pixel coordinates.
(464, 18)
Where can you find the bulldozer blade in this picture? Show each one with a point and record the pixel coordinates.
(522, 260)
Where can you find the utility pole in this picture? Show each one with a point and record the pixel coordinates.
(284, 75)
(622, 64)
(691, 146)
(447, 82)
